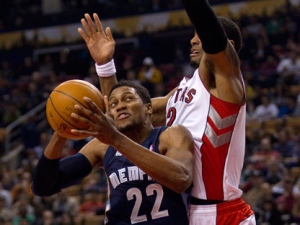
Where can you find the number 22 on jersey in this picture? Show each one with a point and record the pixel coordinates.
(136, 194)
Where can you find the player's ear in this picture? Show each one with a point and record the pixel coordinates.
(148, 108)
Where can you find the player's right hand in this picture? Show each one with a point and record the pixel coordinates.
(100, 43)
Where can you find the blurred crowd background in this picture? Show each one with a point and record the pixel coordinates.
(270, 60)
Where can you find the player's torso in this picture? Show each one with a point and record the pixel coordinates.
(219, 131)
(135, 198)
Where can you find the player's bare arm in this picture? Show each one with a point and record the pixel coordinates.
(177, 143)
(101, 46)
(55, 146)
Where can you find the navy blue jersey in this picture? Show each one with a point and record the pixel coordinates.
(134, 197)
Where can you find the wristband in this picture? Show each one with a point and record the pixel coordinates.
(106, 70)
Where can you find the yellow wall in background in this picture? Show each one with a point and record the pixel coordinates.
(135, 24)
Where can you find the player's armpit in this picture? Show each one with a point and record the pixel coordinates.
(158, 117)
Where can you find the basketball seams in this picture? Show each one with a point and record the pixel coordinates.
(70, 96)
(57, 112)
(90, 87)
(54, 123)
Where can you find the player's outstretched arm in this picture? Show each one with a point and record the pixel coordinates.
(219, 58)
(101, 46)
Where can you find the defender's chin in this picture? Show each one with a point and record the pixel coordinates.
(194, 64)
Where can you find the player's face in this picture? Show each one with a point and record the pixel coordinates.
(127, 108)
(196, 51)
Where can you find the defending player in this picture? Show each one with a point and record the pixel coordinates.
(211, 104)
(147, 168)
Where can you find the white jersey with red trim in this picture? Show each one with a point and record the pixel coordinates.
(218, 128)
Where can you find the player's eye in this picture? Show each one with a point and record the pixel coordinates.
(129, 98)
(112, 105)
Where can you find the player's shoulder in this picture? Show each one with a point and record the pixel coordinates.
(177, 130)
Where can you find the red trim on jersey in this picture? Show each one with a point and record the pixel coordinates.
(217, 130)
(224, 108)
(213, 175)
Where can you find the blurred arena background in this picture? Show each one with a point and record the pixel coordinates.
(40, 48)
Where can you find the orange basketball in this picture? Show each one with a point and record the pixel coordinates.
(60, 105)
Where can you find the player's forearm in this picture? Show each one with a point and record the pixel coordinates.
(106, 83)
(55, 147)
(166, 171)
(207, 25)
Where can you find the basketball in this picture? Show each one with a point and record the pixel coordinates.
(60, 105)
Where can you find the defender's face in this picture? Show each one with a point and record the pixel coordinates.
(126, 108)
(196, 51)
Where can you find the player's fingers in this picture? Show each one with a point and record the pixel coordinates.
(84, 132)
(82, 114)
(88, 118)
(109, 34)
(92, 106)
(86, 28)
(90, 23)
(98, 23)
(83, 35)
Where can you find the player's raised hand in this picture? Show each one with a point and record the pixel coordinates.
(100, 43)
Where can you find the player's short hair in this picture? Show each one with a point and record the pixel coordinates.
(232, 31)
(140, 90)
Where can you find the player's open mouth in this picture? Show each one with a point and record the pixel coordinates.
(122, 116)
(194, 53)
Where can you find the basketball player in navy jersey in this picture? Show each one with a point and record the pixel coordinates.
(147, 168)
(210, 103)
